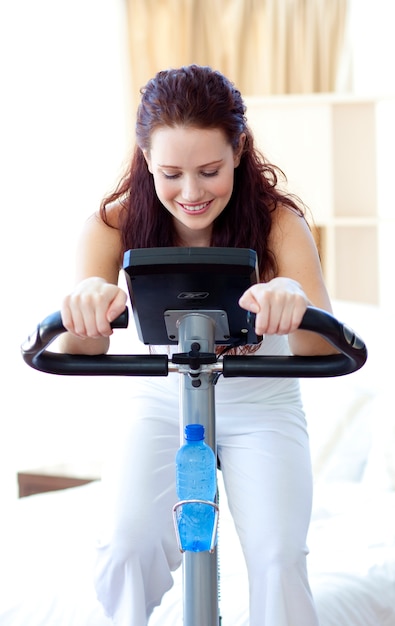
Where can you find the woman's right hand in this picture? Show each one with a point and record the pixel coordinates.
(89, 310)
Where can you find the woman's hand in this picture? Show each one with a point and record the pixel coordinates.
(279, 306)
(89, 310)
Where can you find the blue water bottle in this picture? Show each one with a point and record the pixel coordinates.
(196, 480)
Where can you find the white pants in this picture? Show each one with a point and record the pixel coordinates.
(265, 461)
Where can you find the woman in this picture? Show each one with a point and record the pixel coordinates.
(196, 179)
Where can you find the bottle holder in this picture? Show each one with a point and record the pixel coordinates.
(181, 506)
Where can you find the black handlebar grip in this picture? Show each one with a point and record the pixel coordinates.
(52, 326)
(342, 337)
(99, 365)
(35, 354)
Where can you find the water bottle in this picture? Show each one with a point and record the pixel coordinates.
(196, 480)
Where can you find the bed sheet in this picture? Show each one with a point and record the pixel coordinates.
(47, 555)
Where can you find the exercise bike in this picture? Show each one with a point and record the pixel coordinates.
(189, 297)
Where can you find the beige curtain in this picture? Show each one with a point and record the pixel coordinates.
(264, 46)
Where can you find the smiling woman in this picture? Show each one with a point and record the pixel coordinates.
(195, 178)
(193, 171)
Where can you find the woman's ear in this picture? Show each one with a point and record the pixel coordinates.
(147, 160)
(239, 150)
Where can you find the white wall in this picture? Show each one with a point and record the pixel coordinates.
(371, 45)
(64, 136)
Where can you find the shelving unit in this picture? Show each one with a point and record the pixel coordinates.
(337, 154)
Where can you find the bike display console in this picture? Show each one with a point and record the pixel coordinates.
(164, 283)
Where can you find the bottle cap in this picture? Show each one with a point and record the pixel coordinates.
(194, 432)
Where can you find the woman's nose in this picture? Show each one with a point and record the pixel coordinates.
(191, 190)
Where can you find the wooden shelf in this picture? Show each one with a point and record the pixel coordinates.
(336, 151)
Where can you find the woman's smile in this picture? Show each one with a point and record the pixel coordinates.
(197, 209)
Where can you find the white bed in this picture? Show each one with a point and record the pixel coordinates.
(47, 541)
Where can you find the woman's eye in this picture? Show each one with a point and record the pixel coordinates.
(206, 174)
(170, 176)
(209, 174)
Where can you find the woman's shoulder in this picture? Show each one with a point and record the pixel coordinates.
(284, 214)
(291, 235)
(102, 232)
(286, 221)
(104, 222)
(110, 212)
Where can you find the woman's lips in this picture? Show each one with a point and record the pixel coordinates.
(195, 208)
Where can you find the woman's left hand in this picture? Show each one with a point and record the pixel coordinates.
(279, 306)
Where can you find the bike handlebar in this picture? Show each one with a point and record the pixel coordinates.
(350, 345)
(35, 354)
(342, 337)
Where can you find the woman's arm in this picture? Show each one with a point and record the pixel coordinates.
(281, 303)
(96, 300)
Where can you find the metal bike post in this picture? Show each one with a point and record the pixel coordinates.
(200, 569)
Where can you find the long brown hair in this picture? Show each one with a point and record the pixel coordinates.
(199, 97)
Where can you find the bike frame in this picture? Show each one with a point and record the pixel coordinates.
(197, 405)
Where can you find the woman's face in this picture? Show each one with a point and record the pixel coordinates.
(193, 171)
